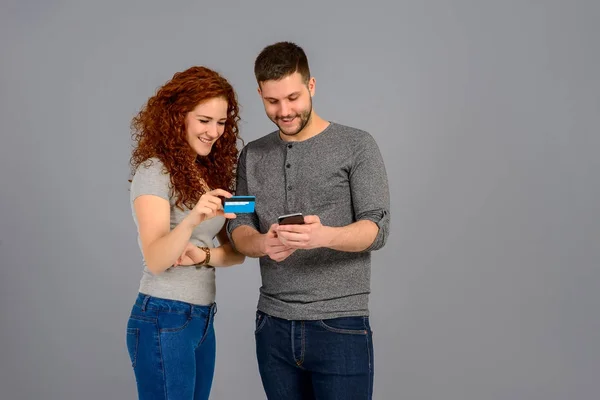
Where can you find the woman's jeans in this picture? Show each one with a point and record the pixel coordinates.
(172, 348)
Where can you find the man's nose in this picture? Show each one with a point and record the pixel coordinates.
(285, 109)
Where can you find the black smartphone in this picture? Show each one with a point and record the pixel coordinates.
(291, 219)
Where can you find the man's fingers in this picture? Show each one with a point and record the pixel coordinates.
(292, 236)
(295, 243)
(311, 219)
(294, 228)
(273, 240)
(276, 246)
(272, 232)
(281, 251)
(282, 255)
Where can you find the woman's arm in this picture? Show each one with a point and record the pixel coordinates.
(222, 256)
(161, 246)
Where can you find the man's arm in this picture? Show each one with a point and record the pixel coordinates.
(245, 225)
(248, 241)
(371, 202)
(243, 231)
(355, 237)
(254, 244)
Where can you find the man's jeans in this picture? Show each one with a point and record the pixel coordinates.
(324, 359)
(172, 348)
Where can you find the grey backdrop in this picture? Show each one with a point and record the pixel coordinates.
(487, 114)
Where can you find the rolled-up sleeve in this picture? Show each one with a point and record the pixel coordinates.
(241, 189)
(370, 189)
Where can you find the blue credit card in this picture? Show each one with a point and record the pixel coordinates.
(239, 204)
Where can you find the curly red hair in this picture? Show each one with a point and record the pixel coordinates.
(159, 130)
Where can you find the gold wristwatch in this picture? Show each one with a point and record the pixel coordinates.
(206, 250)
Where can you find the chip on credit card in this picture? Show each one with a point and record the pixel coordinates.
(239, 204)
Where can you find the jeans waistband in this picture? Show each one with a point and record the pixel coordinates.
(147, 302)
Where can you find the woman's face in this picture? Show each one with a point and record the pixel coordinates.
(205, 124)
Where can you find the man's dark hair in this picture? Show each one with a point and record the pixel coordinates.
(279, 60)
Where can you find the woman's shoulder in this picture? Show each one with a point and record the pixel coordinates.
(152, 169)
(152, 165)
(151, 177)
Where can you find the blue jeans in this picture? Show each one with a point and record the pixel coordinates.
(172, 348)
(325, 359)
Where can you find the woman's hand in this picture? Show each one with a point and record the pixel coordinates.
(191, 255)
(209, 206)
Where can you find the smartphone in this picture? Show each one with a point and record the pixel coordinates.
(291, 219)
(239, 204)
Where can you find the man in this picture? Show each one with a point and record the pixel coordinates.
(313, 337)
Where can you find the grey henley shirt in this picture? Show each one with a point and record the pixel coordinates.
(338, 175)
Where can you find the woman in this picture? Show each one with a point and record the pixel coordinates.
(183, 161)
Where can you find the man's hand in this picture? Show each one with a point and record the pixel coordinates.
(311, 235)
(273, 247)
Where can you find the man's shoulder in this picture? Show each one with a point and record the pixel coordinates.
(352, 135)
(263, 143)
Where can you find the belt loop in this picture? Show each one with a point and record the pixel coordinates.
(145, 302)
(214, 308)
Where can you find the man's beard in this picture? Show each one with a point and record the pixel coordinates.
(304, 120)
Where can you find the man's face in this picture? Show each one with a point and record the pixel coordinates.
(288, 102)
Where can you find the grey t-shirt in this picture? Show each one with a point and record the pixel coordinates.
(338, 175)
(191, 284)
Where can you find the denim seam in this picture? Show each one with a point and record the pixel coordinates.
(297, 362)
(348, 331)
(143, 318)
(178, 329)
(136, 332)
(369, 355)
(261, 323)
(293, 342)
(303, 346)
(162, 363)
(163, 310)
(207, 326)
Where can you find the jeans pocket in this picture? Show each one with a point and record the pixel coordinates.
(173, 321)
(208, 323)
(347, 325)
(133, 337)
(259, 322)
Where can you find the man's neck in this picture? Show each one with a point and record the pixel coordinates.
(315, 126)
